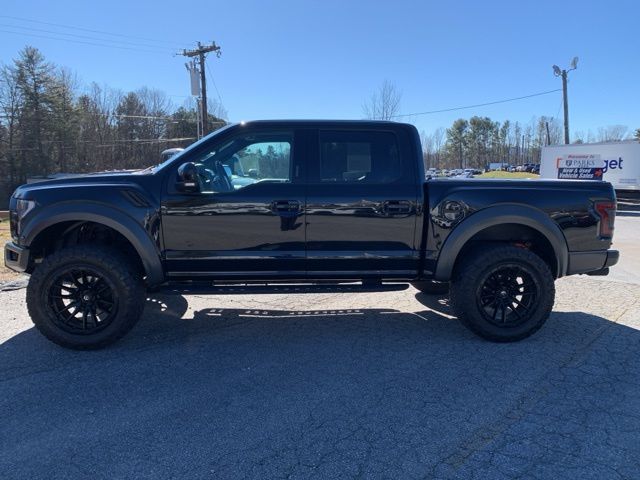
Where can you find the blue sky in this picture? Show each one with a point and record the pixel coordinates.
(323, 59)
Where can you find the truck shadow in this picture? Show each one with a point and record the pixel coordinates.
(167, 318)
(231, 386)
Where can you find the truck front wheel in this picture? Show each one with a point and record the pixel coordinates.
(85, 297)
(503, 293)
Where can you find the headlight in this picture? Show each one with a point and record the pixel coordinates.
(23, 207)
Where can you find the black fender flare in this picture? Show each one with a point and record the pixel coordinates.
(497, 215)
(110, 217)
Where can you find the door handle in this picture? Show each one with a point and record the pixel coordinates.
(285, 207)
(396, 207)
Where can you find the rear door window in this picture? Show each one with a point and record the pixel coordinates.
(359, 157)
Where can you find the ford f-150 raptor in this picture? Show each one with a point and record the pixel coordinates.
(302, 202)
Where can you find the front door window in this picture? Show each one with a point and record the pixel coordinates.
(247, 160)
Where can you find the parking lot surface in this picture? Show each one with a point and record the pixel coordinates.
(328, 385)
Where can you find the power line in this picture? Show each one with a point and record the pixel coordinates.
(478, 104)
(102, 32)
(116, 143)
(123, 42)
(98, 114)
(213, 80)
(82, 42)
(559, 108)
(153, 117)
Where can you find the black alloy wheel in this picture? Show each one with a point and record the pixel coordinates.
(502, 292)
(506, 295)
(82, 300)
(85, 296)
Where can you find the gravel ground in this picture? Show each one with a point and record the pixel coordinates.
(332, 385)
(327, 385)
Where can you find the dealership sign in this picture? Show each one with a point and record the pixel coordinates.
(581, 167)
(614, 162)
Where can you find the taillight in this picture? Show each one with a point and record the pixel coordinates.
(607, 213)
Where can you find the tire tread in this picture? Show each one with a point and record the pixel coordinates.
(104, 257)
(463, 288)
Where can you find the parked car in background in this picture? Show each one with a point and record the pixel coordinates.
(495, 166)
(168, 153)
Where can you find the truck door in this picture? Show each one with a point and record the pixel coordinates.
(247, 219)
(362, 205)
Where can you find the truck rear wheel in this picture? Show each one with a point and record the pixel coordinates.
(85, 297)
(503, 293)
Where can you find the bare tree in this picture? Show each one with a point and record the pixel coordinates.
(612, 133)
(216, 108)
(428, 149)
(528, 133)
(555, 131)
(439, 137)
(383, 104)
(96, 139)
(515, 141)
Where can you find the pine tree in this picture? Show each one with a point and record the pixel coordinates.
(34, 77)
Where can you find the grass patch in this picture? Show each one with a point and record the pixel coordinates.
(5, 236)
(501, 174)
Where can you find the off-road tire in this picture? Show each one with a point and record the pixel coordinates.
(478, 289)
(124, 285)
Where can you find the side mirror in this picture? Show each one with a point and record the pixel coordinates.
(188, 178)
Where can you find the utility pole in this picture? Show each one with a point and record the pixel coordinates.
(201, 53)
(558, 72)
(565, 101)
(548, 135)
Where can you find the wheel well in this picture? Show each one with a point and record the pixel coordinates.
(514, 234)
(65, 234)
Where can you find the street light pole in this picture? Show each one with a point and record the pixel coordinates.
(563, 73)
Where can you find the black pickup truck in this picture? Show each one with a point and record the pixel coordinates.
(275, 202)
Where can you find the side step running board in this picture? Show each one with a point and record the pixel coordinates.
(256, 288)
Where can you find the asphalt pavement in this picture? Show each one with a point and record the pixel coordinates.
(627, 239)
(329, 385)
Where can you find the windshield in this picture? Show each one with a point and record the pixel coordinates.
(194, 145)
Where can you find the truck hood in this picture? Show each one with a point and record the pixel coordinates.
(114, 176)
